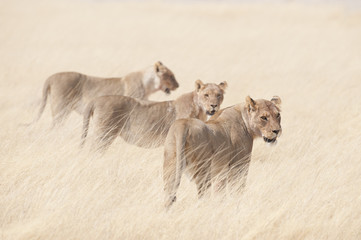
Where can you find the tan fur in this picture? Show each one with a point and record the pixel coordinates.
(220, 149)
(73, 91)
(145, 123)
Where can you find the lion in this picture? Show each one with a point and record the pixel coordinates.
(218, 151)
(73, 91)
(145, 123)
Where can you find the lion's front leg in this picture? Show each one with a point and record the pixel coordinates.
(237, 177)
(169, 175)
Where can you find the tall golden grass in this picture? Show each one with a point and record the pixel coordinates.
(308, 186)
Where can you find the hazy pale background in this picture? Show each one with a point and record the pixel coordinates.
(308, 186)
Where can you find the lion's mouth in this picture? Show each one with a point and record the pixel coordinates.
(167, 91)
(211, 113)
(267, 140)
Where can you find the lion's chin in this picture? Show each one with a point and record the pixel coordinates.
(272, 141)
(167, 91)
(211, 113)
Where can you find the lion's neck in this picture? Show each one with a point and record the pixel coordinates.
(245, 116)
(187, 106)
(232, 122)
(200, 112)
(235, 117)
(151, 81)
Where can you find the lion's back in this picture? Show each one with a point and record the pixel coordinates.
(64, 81)
(195, 132)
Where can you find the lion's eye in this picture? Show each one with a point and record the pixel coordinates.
(264, 118)
(219, 96)
(206, 95)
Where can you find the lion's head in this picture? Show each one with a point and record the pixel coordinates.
(167, 80)
(210, 96)
(265, 118)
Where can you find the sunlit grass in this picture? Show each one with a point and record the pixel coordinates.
(305, 187)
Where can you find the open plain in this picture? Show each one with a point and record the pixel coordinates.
(308, 186)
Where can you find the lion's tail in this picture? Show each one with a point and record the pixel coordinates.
(46, 91)
(88, 113)
(181, 137)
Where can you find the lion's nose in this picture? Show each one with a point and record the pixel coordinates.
(214, 106)
(276, 131)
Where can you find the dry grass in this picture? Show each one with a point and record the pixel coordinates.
(306, 187)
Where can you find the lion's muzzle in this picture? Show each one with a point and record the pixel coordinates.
(213, 111)
(275, 134)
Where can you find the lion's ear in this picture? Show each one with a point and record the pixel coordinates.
(277, 101)
(223, 85)
(199, 85)
(157, 65)
(251, 104)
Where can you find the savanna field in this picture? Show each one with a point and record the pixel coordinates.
(307, 186)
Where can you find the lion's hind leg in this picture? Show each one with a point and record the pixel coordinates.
(203, 180)
(104, 137)
(62, 104)
(60, 114)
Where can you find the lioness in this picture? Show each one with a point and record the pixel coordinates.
(145, 123)
(73, 91)
(220, 148)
